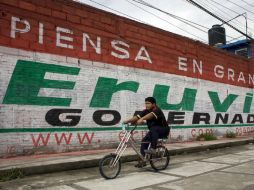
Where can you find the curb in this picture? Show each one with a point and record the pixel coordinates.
(80, 164)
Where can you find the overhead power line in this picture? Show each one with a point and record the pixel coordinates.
(230, 9)
(167, 21)
(240, 6)
(133, 18)
(223, 14)
(188, 22)
(128, 16)
(248, 3)
(142, 2)
(215, 16)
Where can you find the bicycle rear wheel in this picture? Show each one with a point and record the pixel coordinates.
(109, 169)
(160, 160)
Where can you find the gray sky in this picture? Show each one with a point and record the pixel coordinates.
(187, 11)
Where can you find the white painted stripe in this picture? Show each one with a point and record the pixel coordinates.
(194, 168)
(126, 182)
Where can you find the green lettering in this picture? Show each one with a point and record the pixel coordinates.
(217, 105)
(28, 78)
(106, 87)
(247, 103)
(187, 103)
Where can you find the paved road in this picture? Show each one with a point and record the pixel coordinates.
(227, 169)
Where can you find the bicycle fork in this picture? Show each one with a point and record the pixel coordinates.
(121, 147)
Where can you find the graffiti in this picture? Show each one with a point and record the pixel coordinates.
(44, 139)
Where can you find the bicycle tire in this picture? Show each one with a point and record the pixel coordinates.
(107, 171)
(162, 154)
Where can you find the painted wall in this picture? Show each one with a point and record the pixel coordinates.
(70, 73)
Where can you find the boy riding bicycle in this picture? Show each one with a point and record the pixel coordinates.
(157, 125)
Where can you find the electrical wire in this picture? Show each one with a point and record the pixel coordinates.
(228, 16)
(217, 17)
(167, 21)
(172, 15)
(248, 3)
(128, 16)
(240, 6)
(133, 18)
(230, 9)
(218, 14)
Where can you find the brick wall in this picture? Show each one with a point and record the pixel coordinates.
(69, 73)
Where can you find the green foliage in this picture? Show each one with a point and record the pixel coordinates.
(11, 174)
(230, 134)
(206, 137)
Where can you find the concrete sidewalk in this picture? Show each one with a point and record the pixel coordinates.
(47, 163)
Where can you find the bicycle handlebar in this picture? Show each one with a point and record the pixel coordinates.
(126, 127)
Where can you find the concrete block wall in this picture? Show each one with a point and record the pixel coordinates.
(70, 73)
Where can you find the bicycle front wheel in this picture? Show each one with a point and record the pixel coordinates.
(160, 160)
(109, 166)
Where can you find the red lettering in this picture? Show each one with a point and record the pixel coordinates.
(209, 131)
(11, 149)
(63, 136)
(200, 131)
(40, 138)
(121, 135)
(193, 132)
(85, 136)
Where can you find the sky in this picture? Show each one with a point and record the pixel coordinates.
(226, 9)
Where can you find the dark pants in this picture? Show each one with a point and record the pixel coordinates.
(152, 136)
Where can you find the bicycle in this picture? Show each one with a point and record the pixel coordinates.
(110, 165)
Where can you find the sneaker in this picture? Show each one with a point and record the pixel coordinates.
(150, 151)
(140, 164)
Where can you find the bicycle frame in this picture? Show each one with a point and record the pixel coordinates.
(128, 140)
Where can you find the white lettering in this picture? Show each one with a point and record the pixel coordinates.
(66, 38)
(14, 28)
(241, 77)
(125, 53)
(219, 71)
(199, 67)
(182, 65)
(231, 74)
(140, 57)
(41, 33)
(97, 47)
(251, 79)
